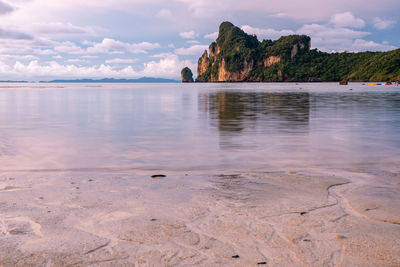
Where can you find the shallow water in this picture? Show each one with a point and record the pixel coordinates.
(196, 126)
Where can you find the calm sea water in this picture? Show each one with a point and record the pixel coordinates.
(196, 126)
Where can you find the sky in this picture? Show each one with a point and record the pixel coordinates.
(58, 39)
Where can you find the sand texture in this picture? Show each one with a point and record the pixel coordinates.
(301, 217)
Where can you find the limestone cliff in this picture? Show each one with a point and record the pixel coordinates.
(236, 56)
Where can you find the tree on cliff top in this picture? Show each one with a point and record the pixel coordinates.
(187, 75)
(236, 46)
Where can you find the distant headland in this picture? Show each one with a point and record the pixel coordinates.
(239, 57)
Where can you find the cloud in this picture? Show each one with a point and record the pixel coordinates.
(120, 61)
(114, 46)
(75, 60)
(193, 50)
(14, 58)
(60, 29)
(212, 36)
(188, 35)
(347, 19)
(69, 48)
(164, 13)
(326, 37)
(162, 55)
(10, 34)
(362, 45)
(168, 67)
(192, 42)
(327, 32)
(382, 24)
(266, 33)
(5, 8)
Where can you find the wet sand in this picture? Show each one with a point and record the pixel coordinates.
(288, 217)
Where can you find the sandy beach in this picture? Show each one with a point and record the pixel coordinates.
(292, 217)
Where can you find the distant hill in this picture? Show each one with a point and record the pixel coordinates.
(13, 82)
(111, 80)
(237, 56)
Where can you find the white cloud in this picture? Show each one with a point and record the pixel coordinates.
(164, 13)
(192, 42)
(75, 60)
(68, 48)
(120, 61)
(5, 8)
(193, 50)
(382, 24)
(171, 45)
(347, 19)
(89, 56)
(168, 67)
(188, 35)
(60, 29)
(362, 45)
(326, 37)
(162, 55)
(328, 33)
(212, 36)
(14, 58)
(12, 34)
(114, 46)
(266, 33)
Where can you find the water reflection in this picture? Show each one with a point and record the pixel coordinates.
(237, 111)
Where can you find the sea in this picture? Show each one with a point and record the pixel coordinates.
(197, 126)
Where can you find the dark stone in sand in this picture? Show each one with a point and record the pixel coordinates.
(77, 187)
(303, 213)
(236, 256)
(90, 180)
(158, 176)
(262, 263)
(153, 220)
(307, 240)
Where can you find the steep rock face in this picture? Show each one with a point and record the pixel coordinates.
(235, 55)
(202, 64)
(271, 61)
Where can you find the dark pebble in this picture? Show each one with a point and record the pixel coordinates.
(158, 176)
(236, 256)
(262, 263)
(153, 220)
(307, 240)
(90, 180)
(77, 187)
(303, 213)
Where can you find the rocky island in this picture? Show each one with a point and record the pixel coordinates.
(239, 57)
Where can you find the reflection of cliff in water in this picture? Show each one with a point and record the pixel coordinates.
(265, 112)
(247, 120)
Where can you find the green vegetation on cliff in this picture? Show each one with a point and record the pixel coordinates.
(237, 56)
